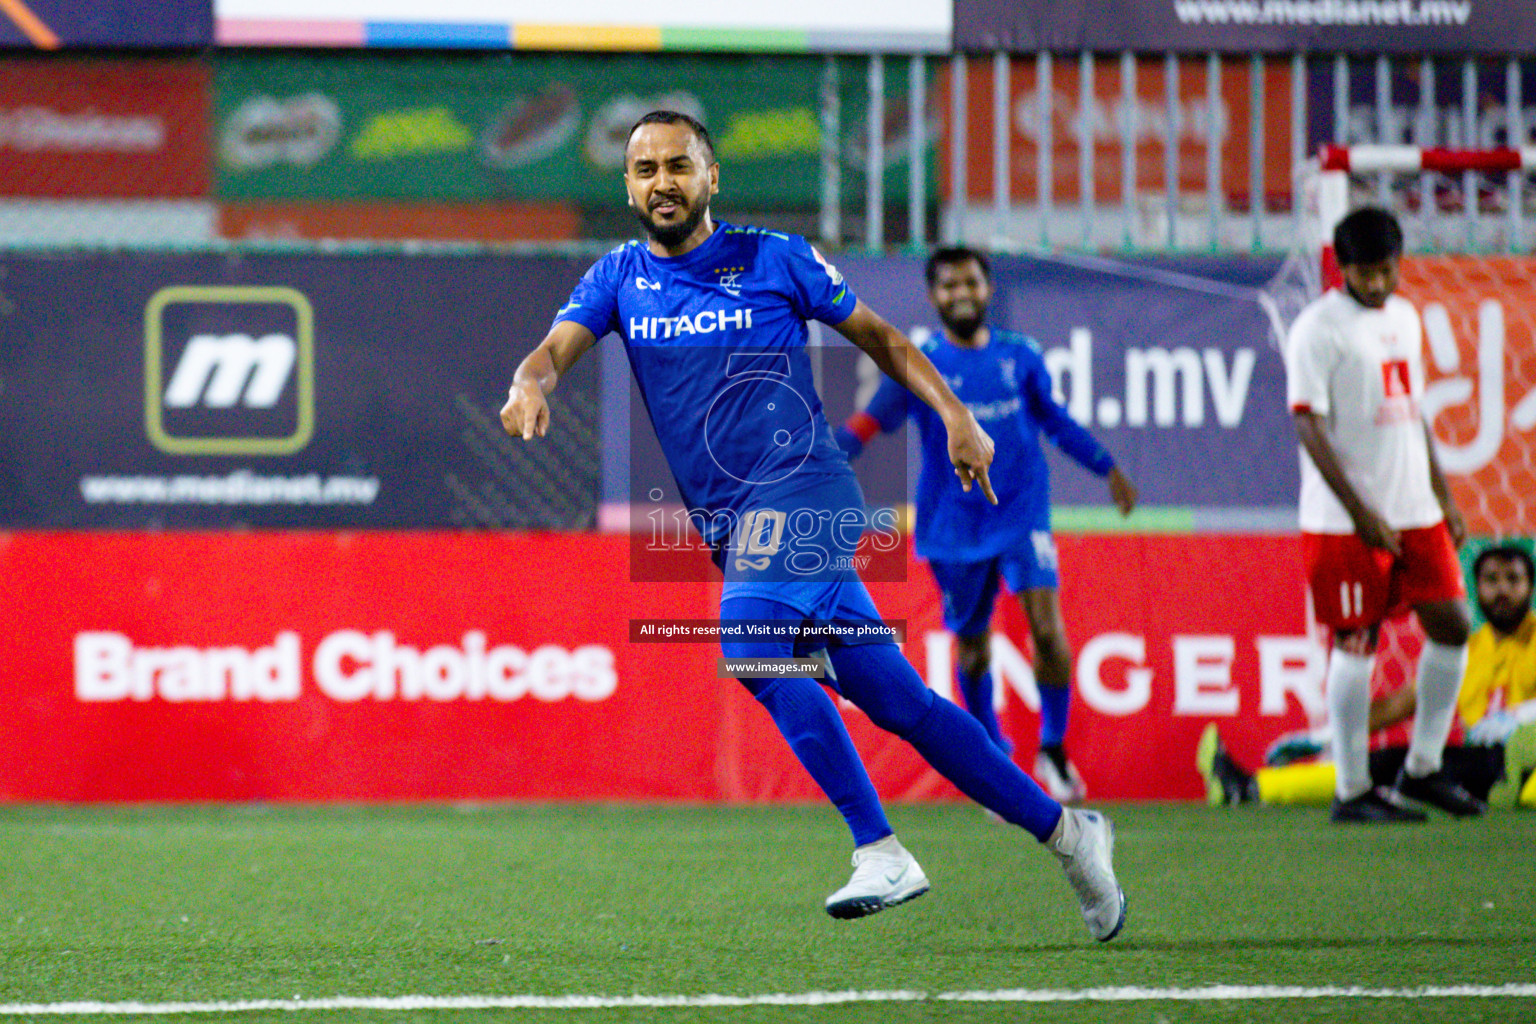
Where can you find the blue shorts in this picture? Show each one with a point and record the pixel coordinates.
(970, 588)
(847, 618)
(796, 545)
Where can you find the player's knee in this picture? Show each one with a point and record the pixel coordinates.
(1359, 642)
(1052, 643)
(885, 687)
(974, 654)
(899, 710)
(1452, 631)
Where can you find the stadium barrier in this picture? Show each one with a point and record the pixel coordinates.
(193, 657)
(451, 666)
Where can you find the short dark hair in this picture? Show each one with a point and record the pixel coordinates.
(1368, 235)
(951, 255)
(674, 117)
(1506, 553)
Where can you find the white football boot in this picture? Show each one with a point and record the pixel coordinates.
(884, 874)
(1060, 778)
(1084, 842)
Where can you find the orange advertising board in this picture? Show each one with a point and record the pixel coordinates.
(1110, 119)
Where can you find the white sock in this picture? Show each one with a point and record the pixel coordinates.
(1439, 678)
(1349, 709)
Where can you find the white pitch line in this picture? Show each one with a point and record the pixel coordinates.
(1121, 994)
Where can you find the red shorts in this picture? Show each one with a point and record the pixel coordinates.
(1355, 586)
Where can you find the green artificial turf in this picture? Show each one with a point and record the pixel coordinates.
(218, 903)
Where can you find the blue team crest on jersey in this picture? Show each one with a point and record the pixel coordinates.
(729, 278)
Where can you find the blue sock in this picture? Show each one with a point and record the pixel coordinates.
(1055, 702)
(810, 722)
(976, 692)
(881, 682)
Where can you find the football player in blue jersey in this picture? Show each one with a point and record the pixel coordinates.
(713, 319)
(969, 544)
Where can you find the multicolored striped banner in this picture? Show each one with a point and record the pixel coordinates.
(550, 36)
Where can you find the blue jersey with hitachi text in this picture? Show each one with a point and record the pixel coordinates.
(1007, 387)
(716, 339)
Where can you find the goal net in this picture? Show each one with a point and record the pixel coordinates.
(1469, 220)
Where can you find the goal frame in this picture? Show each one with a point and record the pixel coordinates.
(1335, 163)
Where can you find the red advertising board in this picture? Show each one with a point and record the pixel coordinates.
(433, 666)
(81, 128)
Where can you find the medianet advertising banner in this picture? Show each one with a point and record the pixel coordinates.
(453, 666)
(361, 391)
(1430, 27)
(199, 392)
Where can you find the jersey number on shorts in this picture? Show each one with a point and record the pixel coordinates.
(759, 539)
(1348, 591)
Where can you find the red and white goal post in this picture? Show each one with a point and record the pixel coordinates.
(1469, 267)
(1335, 165)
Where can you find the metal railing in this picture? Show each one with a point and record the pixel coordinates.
(1104, 168)
(1121, 152)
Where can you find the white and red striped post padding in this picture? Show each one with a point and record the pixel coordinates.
(1337, 163)
(1359, 159)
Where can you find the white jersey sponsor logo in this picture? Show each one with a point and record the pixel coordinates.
(704, 322)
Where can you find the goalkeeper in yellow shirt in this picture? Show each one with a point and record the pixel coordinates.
(1496, 704)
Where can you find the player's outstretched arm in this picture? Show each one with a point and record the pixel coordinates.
(970, 448)
(1074, 439)
(1453, 520)
(886, 411)
(526, 413)
(1369, 524)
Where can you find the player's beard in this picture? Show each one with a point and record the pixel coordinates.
(964, 327)
(671, 235)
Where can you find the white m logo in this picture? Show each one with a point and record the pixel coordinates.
(231, 364)
(222, 371)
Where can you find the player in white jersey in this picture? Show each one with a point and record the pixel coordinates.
(1379, 526)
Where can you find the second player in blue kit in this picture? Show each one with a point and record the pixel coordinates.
(970, 544)
(713, 319)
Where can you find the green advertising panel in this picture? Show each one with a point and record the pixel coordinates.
(536, 127)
